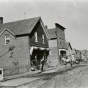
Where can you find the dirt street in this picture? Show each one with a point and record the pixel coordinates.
(76, 77)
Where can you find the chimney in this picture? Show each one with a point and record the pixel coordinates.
(1, 20)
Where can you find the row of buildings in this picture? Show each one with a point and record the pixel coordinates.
(59, 47)
(25, 42)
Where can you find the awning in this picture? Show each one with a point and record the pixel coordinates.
(35, 48)
(47, 49)
(41, 48)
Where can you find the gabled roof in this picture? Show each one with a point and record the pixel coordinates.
(20, 27)
(68, 44)
(83, 52)
(60, 26)
(10, 31)
(73, 51)
(78, 53)
(52, 33)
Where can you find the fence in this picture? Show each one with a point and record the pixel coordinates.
(13, 70)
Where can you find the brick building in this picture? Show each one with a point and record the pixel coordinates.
(21, 42)
(53, 46)
(57, 44)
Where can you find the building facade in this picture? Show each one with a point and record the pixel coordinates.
(61, 42)
(21, 42)
(84, 55)
(57, 44)
(53, 47)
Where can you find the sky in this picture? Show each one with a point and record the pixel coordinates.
(72, 14)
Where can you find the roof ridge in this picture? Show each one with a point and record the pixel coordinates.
(21, 20)
(21, 26)
(51, 28)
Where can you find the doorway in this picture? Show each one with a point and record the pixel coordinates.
(62, 54)
(36, 57)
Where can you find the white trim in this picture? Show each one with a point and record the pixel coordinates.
(43, 38)
(7, 30)
(62, 50)
(42, 48)
(47, 49)
(36, 37)
(31, 50)
(41, 22)
(35, 47)
(7, 39)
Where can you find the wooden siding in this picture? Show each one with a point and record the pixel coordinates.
(38, 28)
(53, 43)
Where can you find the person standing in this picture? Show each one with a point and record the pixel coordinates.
(42, 63)
(36, 62)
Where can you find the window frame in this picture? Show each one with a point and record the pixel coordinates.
(36, 37)
(7, 38)
(43, 38)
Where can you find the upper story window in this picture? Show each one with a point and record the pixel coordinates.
(7, 39)
(42, 38)
(36, 37)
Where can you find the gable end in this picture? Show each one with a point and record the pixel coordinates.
(8, 31)
(44, 28)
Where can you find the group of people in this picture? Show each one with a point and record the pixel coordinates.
(38, 64)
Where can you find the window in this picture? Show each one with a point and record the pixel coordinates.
(42, 38)
(7, 39)
(36, 38)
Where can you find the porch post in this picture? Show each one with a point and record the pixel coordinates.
(48, 58)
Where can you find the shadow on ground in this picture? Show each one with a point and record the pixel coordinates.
(48, 76)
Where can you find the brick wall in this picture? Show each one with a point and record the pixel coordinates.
(19, 54)
(53, 52)
(53, 56)
(61, 37)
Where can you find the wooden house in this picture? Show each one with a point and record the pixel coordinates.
(83, 55)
